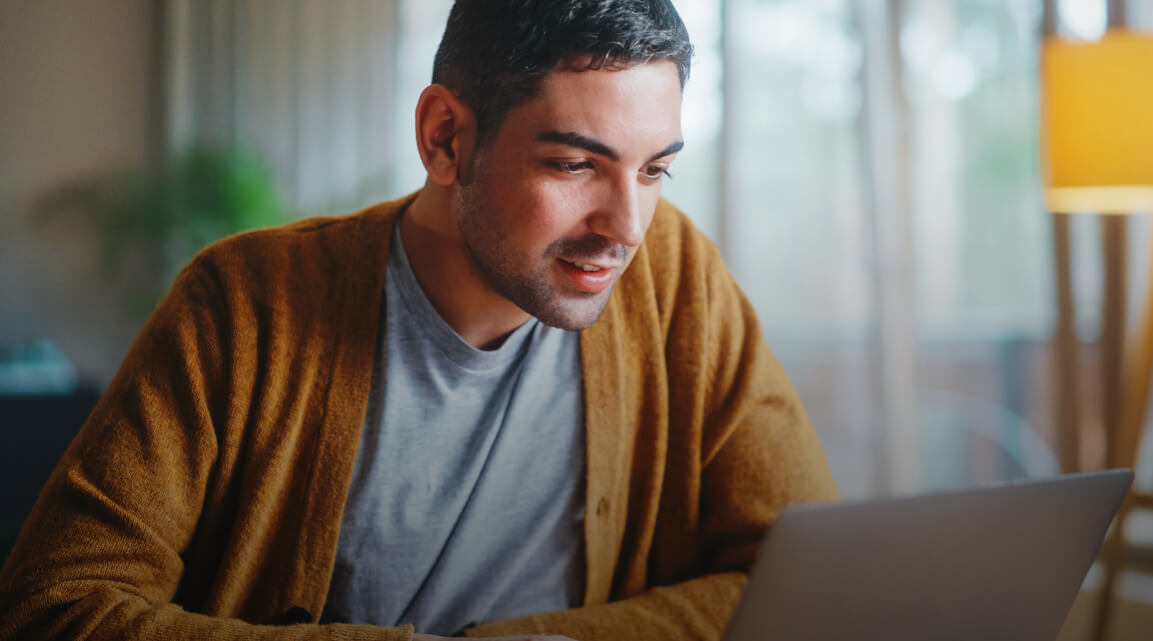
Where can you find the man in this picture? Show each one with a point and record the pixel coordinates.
(487, 409)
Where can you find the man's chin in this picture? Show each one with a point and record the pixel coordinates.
(572, 314)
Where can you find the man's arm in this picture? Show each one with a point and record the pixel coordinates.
(105, 550)
(696, 609)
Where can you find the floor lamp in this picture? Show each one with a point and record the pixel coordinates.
(1097, 131)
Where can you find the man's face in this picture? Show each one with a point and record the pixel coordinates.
(562, 195)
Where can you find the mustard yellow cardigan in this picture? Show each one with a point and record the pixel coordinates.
(203, 497)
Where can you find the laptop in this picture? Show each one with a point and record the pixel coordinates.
(992, 563)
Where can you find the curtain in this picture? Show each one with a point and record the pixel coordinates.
(307, 85)
(883, 214)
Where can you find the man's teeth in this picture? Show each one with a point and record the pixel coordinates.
(587, 268)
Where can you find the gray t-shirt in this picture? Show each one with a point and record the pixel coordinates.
(467, 497)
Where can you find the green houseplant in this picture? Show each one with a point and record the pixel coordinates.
(150, 223)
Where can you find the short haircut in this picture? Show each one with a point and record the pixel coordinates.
(495, 54)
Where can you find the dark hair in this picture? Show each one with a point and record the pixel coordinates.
(496, 53)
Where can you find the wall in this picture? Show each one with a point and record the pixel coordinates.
(79, 92)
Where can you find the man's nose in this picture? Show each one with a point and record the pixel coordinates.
(619, 217)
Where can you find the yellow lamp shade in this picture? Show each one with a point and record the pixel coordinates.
(1097, 123)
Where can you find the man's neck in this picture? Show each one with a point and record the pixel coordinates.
(448, 275)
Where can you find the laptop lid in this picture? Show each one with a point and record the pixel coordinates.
(1000, 562)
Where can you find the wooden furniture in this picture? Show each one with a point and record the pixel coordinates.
(36, 429)
(1123, 439)
(1098, 157)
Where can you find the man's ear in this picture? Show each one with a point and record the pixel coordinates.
(445, 135)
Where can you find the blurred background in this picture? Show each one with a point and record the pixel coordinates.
(871, 170)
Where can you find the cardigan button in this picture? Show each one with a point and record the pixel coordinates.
(602, 505)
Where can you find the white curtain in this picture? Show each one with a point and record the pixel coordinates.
(306, 84)
(882, 210)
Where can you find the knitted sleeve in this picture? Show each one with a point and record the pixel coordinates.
(103, 553)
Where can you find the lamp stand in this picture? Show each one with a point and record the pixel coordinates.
(1134, 370)
(1067, 406)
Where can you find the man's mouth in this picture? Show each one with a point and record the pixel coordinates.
(590, 278)
(588, 267)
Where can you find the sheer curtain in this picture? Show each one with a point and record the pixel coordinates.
(882, 211)
(306, 84)
(869, 170)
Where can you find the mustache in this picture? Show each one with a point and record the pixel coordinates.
(591, 246)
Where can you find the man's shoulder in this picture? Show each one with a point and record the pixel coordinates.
(674, 236)
(675, 273)
(335, 236)
(323, 247)
(304, 267)
(673, 245)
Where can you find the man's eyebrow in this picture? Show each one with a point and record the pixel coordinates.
(668, 151)
(573, 139)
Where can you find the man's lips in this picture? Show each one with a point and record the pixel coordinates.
(590, 277)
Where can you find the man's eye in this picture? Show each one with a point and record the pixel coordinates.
(656, 173)
(572, 167)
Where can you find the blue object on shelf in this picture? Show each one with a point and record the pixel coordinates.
(35, 368)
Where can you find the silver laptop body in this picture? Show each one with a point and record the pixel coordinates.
(995, 563)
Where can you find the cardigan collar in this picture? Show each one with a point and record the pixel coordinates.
(606, 464)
